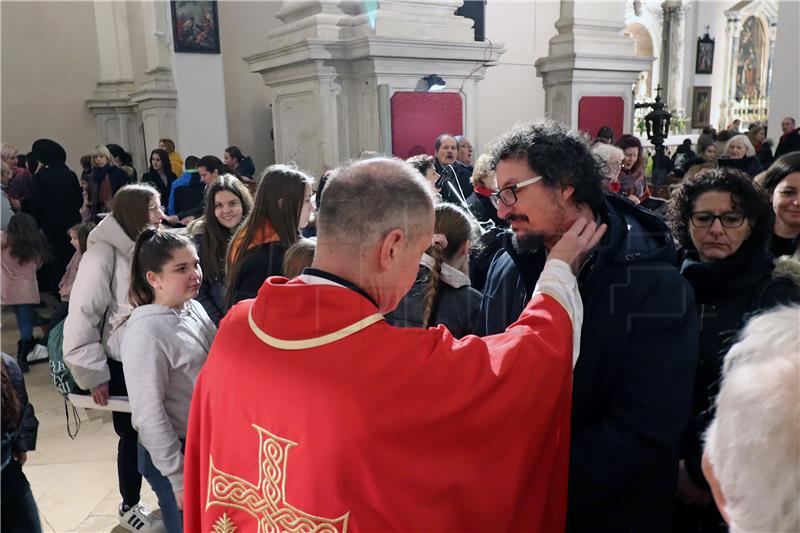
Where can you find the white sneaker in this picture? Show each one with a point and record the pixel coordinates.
(140, 519)
(38, 353)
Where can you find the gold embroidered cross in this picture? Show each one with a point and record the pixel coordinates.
(266, 501)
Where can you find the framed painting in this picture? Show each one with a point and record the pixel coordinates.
(704, 63)
(701, 107)
(195, 26)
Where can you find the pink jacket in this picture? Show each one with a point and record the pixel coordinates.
(65, 285)
(18, 285)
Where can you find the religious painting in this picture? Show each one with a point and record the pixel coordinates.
(195, 26)
(701, 107)
(749, 60)
(704, 62)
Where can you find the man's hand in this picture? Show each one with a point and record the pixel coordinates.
(179, 499)
(100, 394)
(577, 242)
(185, 220)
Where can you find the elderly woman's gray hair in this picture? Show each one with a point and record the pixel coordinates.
(753, 444)
(367, 199)
(609, 157)
(741, 140)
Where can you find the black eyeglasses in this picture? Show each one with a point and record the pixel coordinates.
(704, 219)
(508, 195)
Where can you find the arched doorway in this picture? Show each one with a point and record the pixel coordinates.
(643, 47)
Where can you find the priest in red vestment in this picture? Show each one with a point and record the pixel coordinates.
(313, 414)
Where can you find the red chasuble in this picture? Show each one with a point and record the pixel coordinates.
(313, 414)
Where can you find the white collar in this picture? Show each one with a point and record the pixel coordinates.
(452, 276)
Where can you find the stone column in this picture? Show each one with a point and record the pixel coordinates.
(156, 98)
(783, 100)
(332, 61)
(732, 29)
(110, 103)
(589, 57)
(675, 11)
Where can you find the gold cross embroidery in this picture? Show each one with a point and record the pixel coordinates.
(266, 501)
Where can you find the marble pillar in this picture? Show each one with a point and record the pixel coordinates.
(332, 65)
(676, 12)
(589, 57)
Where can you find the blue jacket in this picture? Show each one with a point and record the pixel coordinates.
(21, 437)
(632, 385)
(185, 178)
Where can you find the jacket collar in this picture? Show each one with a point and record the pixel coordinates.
(451, 276)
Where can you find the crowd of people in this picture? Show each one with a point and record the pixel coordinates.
(531, 340)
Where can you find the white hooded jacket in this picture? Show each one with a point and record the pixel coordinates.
(97, 304)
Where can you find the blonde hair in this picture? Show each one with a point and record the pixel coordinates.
(482, 170)
(742, 139)
(101, 150)
(8, 151)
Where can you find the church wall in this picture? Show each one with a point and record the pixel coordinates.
(707, 14)
(49, 68)
(244, 26)
(136, 34)
(511, 91)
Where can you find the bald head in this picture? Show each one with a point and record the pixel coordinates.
(362, 202)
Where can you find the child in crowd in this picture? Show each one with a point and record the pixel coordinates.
(299, 256)
(78, 234)
(442, 293)
(166, 341)
(24, 250)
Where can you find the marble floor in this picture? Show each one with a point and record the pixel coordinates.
(74, 482)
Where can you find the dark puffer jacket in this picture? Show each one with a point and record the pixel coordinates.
(632, 384)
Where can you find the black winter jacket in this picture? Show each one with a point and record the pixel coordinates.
(463, 182)
(261, 262)
(22, 437)
(212, 291)
(454, 308)
(632, 384)
(154, 179)
(790, 142)
(483, 209)
(727, 292)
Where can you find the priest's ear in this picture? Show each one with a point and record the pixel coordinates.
(391, 246)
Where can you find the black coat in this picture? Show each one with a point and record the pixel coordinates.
(790, 142)
(22, 436)
(462, 183)
(212, 291)
(260, 263)
(483, 209)
(55, 203)
(632, 384)
(456, 309)
(154, 179)
(117, 179)
(727, 293)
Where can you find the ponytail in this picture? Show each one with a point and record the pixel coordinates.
(430, 300)
(152, 251)
(452, 228)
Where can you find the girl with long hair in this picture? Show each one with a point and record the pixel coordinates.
(160, 174)
(166, 341)
(228, 203)
(24, 251)
(282, 207)
(442, 293)
(92, 336)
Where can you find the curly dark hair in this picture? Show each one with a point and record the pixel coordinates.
(557, 154)
(782, 167)
(421, 162)
(748, 197)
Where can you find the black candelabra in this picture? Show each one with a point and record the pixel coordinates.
(657, 124)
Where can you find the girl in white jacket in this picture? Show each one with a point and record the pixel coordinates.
(97, 304)
(166, 341)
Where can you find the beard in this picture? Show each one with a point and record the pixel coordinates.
(528, 242)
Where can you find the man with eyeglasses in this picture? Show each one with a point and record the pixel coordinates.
(633, 382)
(455, 182)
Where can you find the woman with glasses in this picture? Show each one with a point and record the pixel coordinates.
(721, 219)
